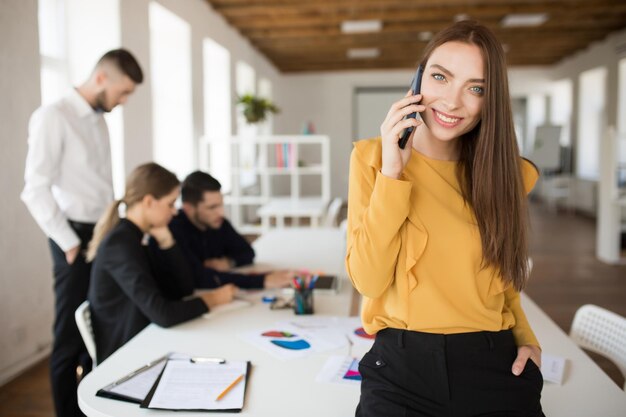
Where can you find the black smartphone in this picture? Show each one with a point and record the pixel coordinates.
(416, 86)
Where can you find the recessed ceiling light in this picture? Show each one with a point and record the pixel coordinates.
(361, 26)
(424, 36)
(363, 53)
(524, 20)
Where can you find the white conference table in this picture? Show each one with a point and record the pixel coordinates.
(287, 387)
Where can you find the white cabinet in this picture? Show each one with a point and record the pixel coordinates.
(274, 176)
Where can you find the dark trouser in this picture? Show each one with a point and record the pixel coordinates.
(71, 283)
(413, 374)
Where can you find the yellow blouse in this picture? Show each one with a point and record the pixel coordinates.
(414, 251)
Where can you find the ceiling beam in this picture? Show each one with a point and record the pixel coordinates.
(250, 7)
(324, 18)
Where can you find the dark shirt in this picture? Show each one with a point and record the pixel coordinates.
(132, 286)
(199, 245)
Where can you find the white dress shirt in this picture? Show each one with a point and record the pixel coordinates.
(68, 167)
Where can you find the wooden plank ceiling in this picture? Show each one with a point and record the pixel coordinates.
(305, 35)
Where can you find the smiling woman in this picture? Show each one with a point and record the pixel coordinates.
(437, 243)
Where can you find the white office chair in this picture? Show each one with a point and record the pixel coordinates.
(83, 321)
(332, 213)
(601, 331)
(558, 189)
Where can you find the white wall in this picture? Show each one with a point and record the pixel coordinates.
(26, 295)
(25, 268)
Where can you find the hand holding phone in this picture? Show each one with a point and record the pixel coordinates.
(416, 86)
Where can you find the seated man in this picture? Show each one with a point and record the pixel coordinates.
(211, 244)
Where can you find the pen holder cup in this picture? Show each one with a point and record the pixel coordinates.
(303, 301)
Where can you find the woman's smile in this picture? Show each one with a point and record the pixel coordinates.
(446, 120)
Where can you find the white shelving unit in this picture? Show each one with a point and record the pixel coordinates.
(263, 187)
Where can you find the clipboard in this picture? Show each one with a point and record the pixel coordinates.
(203, 396)
(135, 386)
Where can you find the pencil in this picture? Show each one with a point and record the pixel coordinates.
(231, 386)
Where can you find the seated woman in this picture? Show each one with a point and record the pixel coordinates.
(127, 290)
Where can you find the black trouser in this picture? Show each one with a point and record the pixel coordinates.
(413, 374)
(71, 283)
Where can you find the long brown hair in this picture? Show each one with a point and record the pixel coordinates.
(147, 179)
(489, 169)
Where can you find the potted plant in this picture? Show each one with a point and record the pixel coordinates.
(255, 109)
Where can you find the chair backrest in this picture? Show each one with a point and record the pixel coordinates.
(601, 331)
(83, 321)
(332, 213)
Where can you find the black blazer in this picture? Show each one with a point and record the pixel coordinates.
(130, 288)
(198, 245)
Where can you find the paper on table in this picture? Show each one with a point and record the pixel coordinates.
(286, 341)
(552, 368)
(340, 370)
(139, 386)
(350, 327)
(327, 332)
(196, 386)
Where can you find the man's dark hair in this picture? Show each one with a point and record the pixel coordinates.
(125, 62)
(196, 184)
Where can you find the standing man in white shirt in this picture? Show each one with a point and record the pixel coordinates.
(68, 186)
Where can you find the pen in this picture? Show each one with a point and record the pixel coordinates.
(231, 386)
(203, 360)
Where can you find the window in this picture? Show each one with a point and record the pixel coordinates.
(561, 108)
(621, 120)
(535, 116)
(621, 97)
(591, 108)
(217, 110)
(73, 35)
(54, 72)
(170, 67)
(245, 84)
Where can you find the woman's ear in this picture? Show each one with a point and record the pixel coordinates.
(148, 200)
